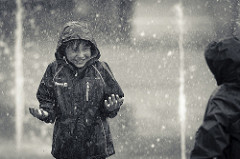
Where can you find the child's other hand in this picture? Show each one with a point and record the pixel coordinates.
(38, 113)
(113, 102)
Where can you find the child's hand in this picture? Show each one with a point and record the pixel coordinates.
(38, 113)
(113, 102)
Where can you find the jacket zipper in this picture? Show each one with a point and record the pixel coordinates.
(87, 90)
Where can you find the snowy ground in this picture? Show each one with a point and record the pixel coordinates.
(41, 150)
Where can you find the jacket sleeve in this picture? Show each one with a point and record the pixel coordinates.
(45, 95)
(111, 87)
(212, 137)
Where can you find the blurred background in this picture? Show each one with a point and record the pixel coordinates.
(139, 40)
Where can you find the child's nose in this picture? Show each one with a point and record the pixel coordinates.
(80, 55)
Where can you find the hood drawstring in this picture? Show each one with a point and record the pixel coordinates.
(104, 83)
(64, 58)
(60, 69)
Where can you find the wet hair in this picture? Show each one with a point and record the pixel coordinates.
(74, 44)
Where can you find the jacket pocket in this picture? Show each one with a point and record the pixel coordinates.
(97, 145)
(62, 139)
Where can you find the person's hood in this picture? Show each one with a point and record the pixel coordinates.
(223, 59)
(77, 30)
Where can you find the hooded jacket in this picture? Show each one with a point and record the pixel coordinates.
(219, 134)
(74, 99)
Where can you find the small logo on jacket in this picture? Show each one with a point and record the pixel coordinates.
(61, 84)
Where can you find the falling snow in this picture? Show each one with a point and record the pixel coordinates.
(141, 45)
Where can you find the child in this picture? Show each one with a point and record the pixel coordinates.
(219, 135)
(78, 93)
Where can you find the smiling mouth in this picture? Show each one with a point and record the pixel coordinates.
(79, 62)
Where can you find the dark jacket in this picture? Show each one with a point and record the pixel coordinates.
(74, 98)
(219, 134)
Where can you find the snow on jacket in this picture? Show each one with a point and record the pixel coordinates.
(219, 134)
(74, 98)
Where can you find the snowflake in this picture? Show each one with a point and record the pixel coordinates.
(142, 33)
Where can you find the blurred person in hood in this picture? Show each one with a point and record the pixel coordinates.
(219, 135)
(78, 92)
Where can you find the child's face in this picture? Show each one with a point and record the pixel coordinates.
(80, 56)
